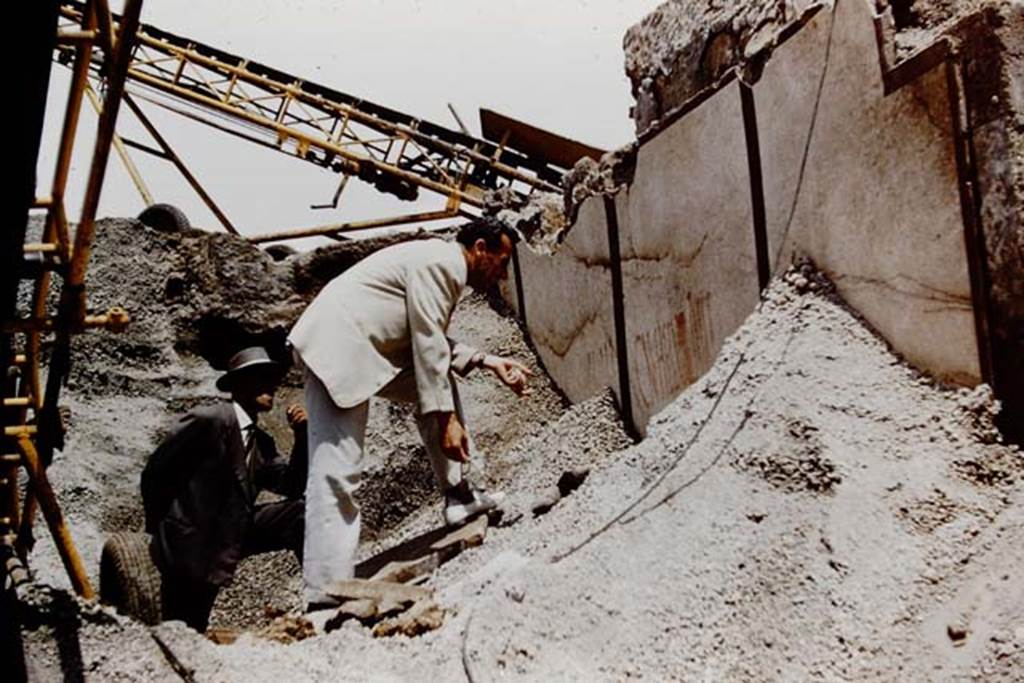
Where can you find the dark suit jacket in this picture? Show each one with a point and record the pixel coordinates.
(197, 496)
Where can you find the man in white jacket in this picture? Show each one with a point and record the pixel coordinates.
(379, 329)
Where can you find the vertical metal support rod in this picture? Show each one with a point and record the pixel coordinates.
(72, 112)
(756, 185)
(105, 25)
(619, 313)
(33, 343)
(118, 69)
(520, 295)
(974, 240)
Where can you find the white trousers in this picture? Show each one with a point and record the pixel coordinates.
(336, 440)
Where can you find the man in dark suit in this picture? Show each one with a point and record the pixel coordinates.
(199, 489)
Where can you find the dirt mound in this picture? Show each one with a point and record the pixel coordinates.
(671, 561)
(194, 298)
(672, 564)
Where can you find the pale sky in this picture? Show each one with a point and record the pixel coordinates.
(554, 64)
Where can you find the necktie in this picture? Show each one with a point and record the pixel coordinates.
(251, 459)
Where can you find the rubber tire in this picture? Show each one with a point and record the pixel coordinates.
(165, 218)
(280, 252)
(129, 578)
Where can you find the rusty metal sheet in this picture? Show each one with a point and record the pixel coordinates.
(535, 142)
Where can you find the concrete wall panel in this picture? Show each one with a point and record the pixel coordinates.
(568, 302)
(866, 184)
(688, 261)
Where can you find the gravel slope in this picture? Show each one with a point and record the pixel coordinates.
(812, 508)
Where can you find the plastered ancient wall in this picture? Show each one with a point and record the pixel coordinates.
(824, 152)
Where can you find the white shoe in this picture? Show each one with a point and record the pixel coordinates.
(456, 512)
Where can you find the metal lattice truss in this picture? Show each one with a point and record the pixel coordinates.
(396, 153)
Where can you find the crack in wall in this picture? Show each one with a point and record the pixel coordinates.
(562, 349)
(938, 295)
(685, 260)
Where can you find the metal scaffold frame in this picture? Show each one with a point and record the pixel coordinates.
(32, 423)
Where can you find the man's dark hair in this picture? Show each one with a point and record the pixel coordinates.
(487, 229)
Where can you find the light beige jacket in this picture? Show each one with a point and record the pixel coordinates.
(387, 313)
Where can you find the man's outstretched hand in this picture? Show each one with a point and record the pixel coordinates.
(453, 436)
(296, 415)
(513, 373)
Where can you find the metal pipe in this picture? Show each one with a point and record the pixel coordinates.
(129, 165)
(116, 74)
(105, 25)
(458, 119)
(55, 518)
(152, 151)
(40, 248)
(76, 37)
(207, 122)
(115, 320)
(351, 226)
(176, 160)
(79, 80)
(59, 230)
(33, 344)
(337, 194)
